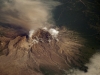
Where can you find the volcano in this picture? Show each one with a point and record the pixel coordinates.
(41, 54)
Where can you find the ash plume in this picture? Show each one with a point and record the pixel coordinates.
(29, 14)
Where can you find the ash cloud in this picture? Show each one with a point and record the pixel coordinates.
(29, 14)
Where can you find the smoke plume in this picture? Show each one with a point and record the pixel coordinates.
(29, 14)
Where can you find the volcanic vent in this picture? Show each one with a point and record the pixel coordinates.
(41, 52)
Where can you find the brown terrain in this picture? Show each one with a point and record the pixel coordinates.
(20, 55)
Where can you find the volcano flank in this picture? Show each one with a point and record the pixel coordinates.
(41, 54)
